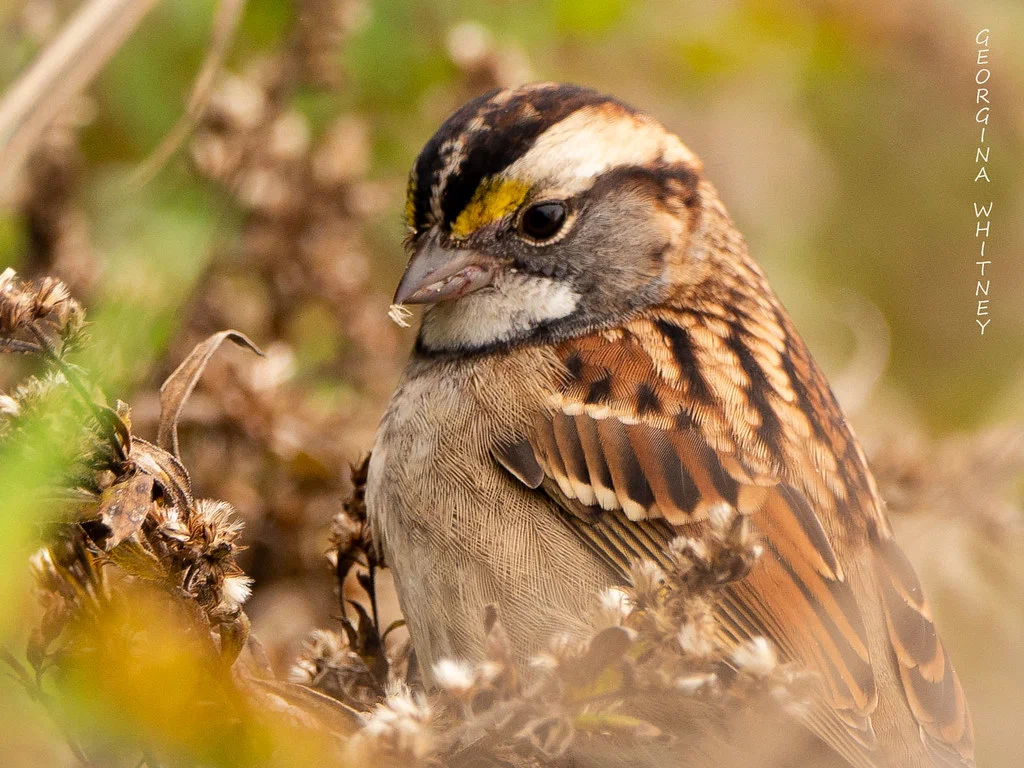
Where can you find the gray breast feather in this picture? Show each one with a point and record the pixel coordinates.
(460, 533)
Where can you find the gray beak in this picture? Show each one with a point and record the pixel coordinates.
(438, 274)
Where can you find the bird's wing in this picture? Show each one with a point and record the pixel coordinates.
(659, 421)
(930, 683)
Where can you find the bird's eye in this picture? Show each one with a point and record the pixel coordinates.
(543, 221)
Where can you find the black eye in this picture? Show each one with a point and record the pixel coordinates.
(543, 220)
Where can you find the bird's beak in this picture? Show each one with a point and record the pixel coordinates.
(438, 274)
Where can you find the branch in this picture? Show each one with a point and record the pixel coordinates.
(63, 70)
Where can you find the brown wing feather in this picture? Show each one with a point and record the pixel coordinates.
(661, 420)
(932, 686)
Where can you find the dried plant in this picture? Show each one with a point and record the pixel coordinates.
(38, 319)
(655, 678)
(137, 580)
(655, 674)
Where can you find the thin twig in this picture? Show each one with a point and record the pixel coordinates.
(372, 574)
(225, 24)
(17, 667)
(15, 345)
(69, 374)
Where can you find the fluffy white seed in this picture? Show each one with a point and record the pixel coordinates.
(756, 657)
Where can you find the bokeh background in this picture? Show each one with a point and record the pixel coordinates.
(841, 135)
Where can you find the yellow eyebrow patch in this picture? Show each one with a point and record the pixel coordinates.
(492, 200)
(410, 203)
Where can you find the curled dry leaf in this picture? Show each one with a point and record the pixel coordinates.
(169, 474)
(124, 507)
(179, 385)
(304, 706)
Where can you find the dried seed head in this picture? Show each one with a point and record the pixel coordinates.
(321, 650)
(214, 527)
(399, 731)
(346, 533)
(52, 295)
(756, 657)
(470, 45)
(240, 102)
(237, 588)
(614, 607)
(9, 406)
(50, 302)
(456, 677)
(697, 636)
(699, 684)
(289, 137)
(720, 516)
(561, 648)
(329, 664)
(343, 155)
(647, 580)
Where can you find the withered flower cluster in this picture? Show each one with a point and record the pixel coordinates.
(654, 675)
(34, 317)
(42, 320)
(130, 559)
(136, 507)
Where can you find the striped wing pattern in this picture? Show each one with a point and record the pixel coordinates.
(931, 684)
(657, 422)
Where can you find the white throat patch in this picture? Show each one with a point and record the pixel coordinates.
(509, 309)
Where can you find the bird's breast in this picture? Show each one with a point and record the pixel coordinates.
(458, 532)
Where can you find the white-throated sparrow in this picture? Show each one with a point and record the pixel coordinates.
(602, 365)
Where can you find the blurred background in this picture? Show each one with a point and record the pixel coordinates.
(242, 165)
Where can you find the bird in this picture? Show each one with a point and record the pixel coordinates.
(600, 367)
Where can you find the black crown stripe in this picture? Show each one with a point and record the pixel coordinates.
(509, 128)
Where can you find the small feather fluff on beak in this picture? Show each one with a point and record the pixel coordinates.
(400, 314)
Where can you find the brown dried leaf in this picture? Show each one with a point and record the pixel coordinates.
(179, 385)
(305, 706)
(601, 666)
(124, 507)
(368, 642)
(166, 470)
(54, 619)
(608, 646)
(233, 636)
(134, 559)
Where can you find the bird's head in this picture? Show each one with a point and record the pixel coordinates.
(544, 211)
